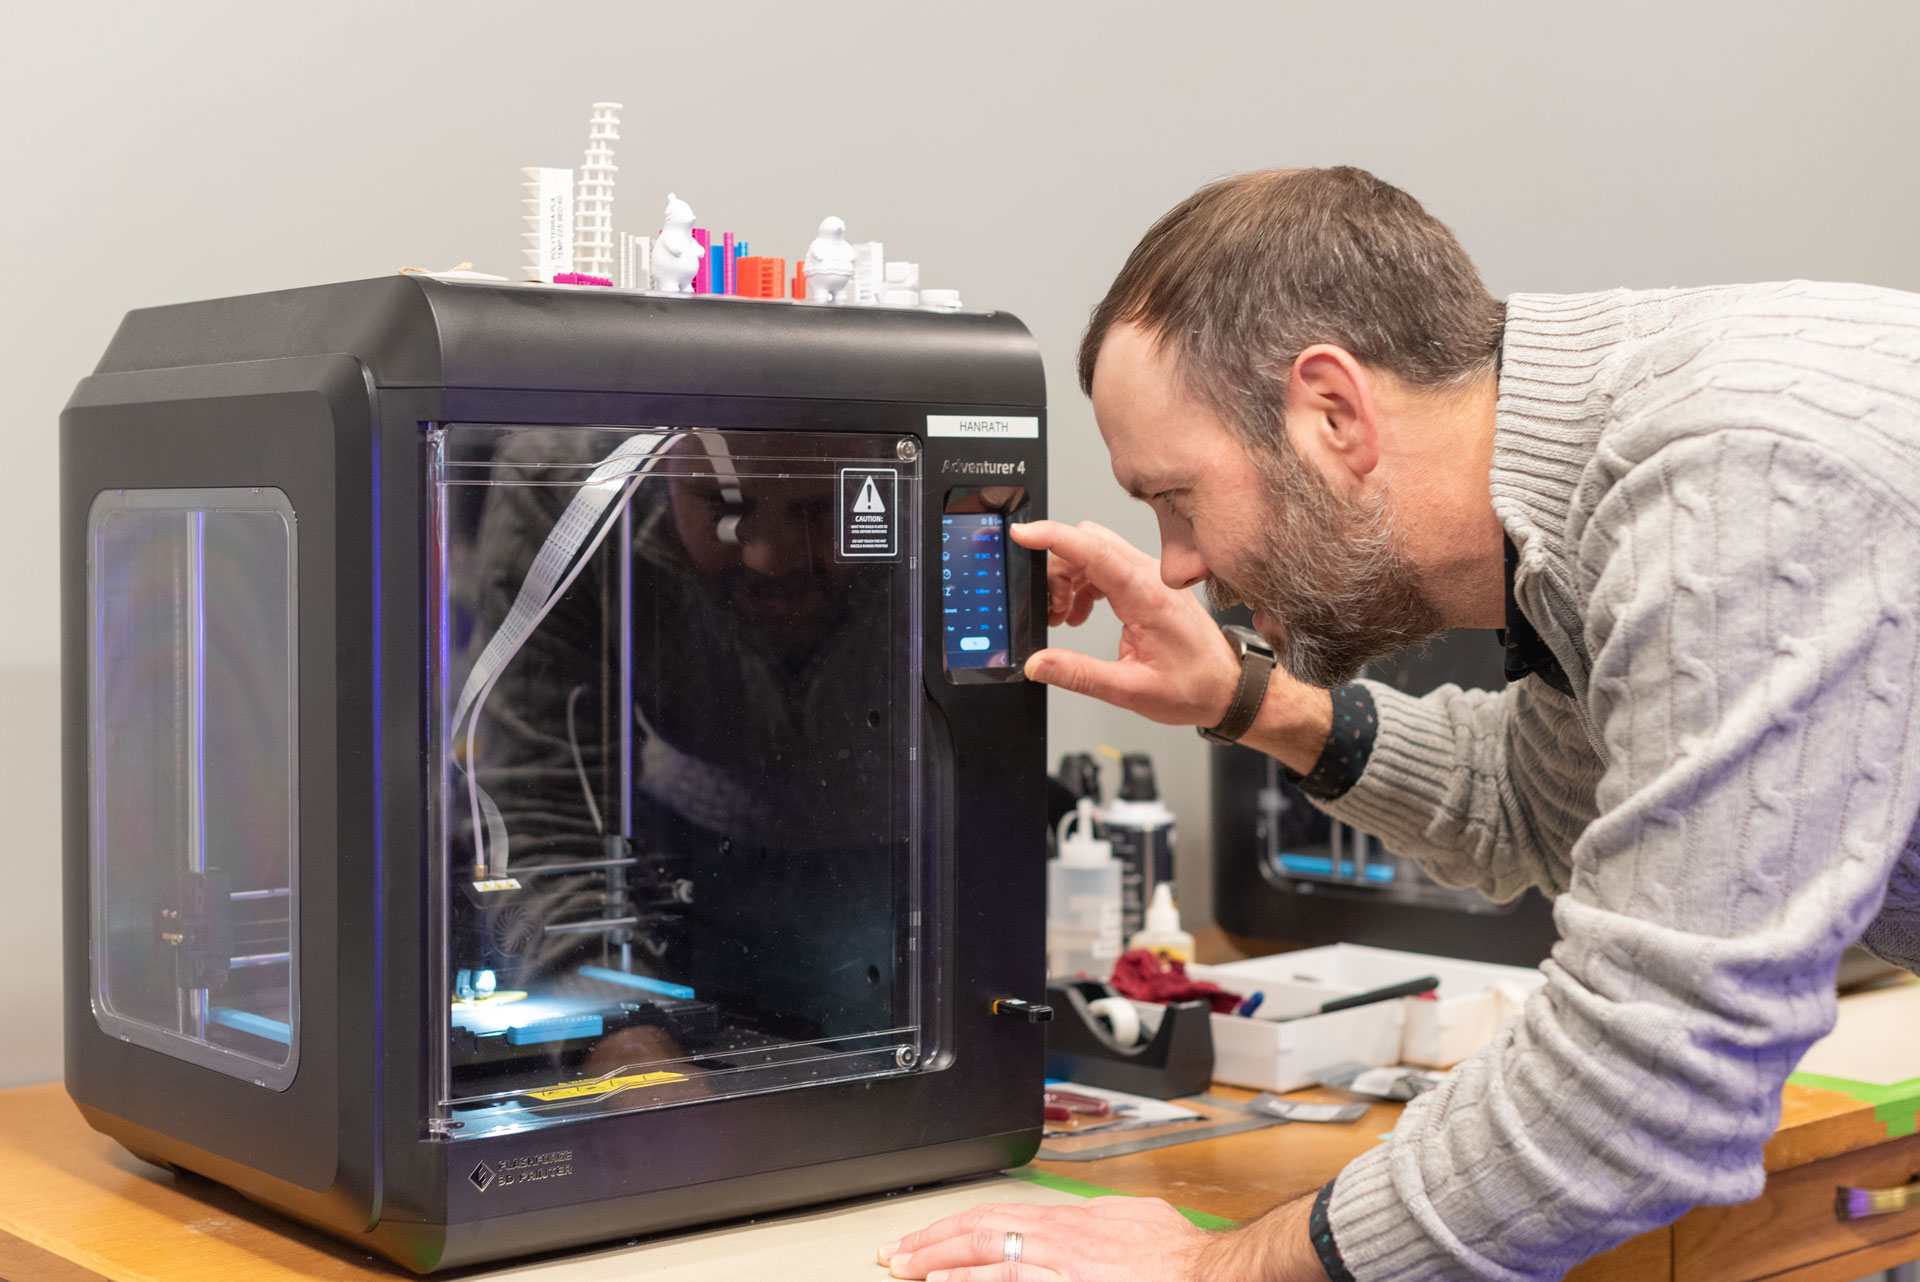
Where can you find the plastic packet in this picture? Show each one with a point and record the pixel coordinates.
(1394, 1083)
(1300, 1110)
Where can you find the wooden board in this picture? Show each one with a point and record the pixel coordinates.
(1646, 1258)
(1792, 1225)
(1855, 1266)
(1239, 1176)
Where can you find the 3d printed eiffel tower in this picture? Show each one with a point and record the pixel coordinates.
(593, 199)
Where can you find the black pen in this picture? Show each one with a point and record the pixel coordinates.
(1408, 988)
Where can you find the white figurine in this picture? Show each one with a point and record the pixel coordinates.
(829, 263)
(676, 255)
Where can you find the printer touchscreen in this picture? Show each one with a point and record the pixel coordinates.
(973, 589)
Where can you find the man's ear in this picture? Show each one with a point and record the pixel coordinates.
(1331, 412)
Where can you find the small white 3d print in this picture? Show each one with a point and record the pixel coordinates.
(676, 255)
(829, 263)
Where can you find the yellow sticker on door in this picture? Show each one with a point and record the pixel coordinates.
(580, 1090)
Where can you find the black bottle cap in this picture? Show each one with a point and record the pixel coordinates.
(1136, 778)
(1080, 775)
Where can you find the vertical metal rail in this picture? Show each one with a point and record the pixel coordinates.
(440, 868)
(194, 1012)
(925, 909)
(617, 878)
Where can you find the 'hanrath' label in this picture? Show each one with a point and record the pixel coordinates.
(1006, 427)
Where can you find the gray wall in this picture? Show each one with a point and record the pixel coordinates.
(164, 152)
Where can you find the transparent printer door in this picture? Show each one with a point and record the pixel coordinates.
(678, 699)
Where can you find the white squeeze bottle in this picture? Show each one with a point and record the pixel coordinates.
(1140, 827)
(1162, 933)
(1083, 899)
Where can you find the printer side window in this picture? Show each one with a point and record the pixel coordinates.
(192, 688)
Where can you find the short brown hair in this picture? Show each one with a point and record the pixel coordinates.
(1245, 274)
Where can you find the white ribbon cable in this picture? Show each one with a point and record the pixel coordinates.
(728, 527)
(496, 830)
(579, 765)
(586, 521)
(606, 483)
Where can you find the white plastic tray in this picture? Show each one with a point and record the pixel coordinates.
(1474, 1000)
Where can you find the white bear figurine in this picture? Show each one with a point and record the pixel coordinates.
(829, 263)
(676, 254)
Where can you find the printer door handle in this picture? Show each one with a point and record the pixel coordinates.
(1015, 1008)
(1858, 1204)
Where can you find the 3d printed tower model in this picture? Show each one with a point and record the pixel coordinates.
(593, 203)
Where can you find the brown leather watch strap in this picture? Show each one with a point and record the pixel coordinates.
(1256, 670)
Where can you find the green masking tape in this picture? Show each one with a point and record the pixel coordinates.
(1896, 1107)
(1080, 1188)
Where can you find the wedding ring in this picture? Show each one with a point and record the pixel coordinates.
(1011, 1251)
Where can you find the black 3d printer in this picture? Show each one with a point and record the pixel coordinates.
(1286, 873)
(545, 765)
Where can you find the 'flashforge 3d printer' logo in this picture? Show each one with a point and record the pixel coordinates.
(556, 1165)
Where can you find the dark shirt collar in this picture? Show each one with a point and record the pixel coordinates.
(1527, 654)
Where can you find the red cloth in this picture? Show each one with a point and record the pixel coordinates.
(1148, 977)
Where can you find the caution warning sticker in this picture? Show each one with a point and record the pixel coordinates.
(869, 507)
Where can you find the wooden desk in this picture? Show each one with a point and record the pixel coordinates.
(75, 1208)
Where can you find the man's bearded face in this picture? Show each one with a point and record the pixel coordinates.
(1329, 576)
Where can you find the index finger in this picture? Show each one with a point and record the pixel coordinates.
(1122, 571)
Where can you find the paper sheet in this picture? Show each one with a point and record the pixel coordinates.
(1876, 1040)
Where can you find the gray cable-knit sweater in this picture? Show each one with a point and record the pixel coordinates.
(1715, 494)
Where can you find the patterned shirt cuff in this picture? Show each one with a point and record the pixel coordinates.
(1343, 759)
(1320, 1231)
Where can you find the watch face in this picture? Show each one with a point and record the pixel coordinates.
(1245, 639)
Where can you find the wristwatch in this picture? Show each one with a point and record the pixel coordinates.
(1256, 668)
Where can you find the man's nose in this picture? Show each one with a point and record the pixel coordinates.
(1181, 565)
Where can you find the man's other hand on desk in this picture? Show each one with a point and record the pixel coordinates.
(1106, 1239)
